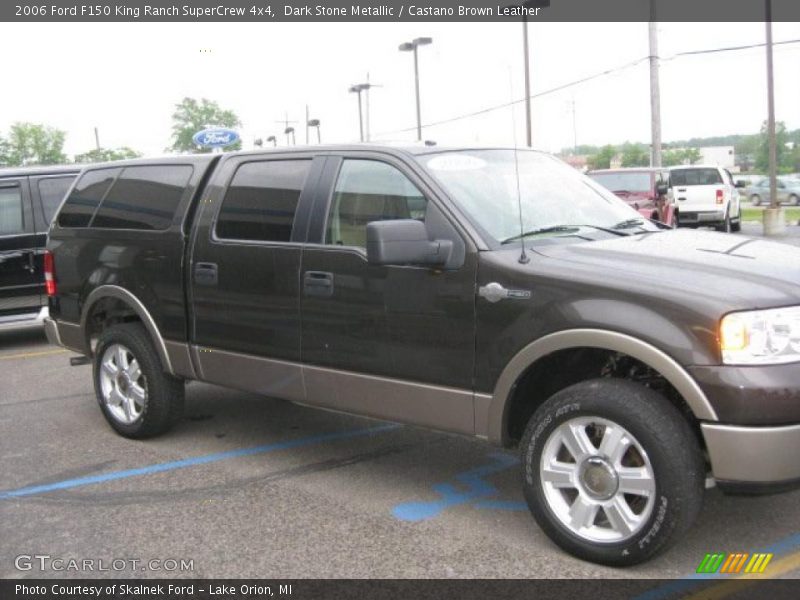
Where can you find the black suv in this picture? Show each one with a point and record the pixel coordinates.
(29, 197)
(487, 292)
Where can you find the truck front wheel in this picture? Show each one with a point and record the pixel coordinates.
(138, 399)
(612, 471)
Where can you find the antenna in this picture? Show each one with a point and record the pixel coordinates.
(523, 257)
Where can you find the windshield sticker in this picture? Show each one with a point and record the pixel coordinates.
(456, 162)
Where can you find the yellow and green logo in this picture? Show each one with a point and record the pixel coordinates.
(736, 562)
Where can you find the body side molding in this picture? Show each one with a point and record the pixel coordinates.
(590, 338)
(120, 293)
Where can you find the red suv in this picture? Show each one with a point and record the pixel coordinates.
(639, 187)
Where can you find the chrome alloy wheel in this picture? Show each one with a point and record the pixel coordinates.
(597, 479)
(122, 384)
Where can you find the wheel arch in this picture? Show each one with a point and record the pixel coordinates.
(500, 402)
(119, 294)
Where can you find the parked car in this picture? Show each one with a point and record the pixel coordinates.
(749, 181)
(788, 191)
(639, 188)
(492, 293)
(706, 195)
(28, 199)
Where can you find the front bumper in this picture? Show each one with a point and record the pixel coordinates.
(754, 459)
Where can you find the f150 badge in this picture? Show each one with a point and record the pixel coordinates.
(494, 292)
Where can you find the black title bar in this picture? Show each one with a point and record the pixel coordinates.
(268, 11)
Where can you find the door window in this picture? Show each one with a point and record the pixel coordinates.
(11, 210)
(85, 198)
(51, 193)
(261, 201)
(366, 191)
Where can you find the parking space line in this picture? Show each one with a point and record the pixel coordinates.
(191, 462)
(32, 354)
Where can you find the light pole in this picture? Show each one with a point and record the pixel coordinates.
(273, 140)
(357, 89)
(289, 131)
(774, 220)
(315, 123)
(655, 90)
(412, 47)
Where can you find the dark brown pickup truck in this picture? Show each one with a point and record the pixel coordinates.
(487, 292)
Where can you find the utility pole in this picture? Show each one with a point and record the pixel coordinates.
(655, 91)
(774, 222)
(96, 138)
(574, 129)
(306, 124)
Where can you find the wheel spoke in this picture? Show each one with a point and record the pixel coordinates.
(138, 394)
(614, 443)
(582, 513)
(576, 441)
(636, 480)
(620, 516)
(122, 359)
(133, 371)
(109, 368)
(127, 406)
(560, 475)
(115, 398)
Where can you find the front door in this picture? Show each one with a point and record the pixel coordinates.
(21, 282)
(390, 341)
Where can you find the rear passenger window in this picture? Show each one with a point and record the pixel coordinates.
(144, 197)
(84, 199)
(261, 201)
(51, 193)
(10, 210)
(366, 191)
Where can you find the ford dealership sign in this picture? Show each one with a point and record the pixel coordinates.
(215, 138)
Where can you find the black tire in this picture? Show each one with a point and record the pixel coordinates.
(726, 225)
(162, 406)
(668, 442)
(736, 224)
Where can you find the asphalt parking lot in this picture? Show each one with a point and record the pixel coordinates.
(253, 487)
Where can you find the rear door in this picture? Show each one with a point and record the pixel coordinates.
(244, 269)
(20, 284)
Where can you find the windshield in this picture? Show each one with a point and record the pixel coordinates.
(553, 194)
(623, 182)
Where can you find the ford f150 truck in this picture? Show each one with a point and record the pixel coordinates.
(487, 292)
(706, 195)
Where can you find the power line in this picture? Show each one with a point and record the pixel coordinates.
(582, 80)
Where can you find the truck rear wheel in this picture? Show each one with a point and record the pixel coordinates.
(139, 400)
(612, 471)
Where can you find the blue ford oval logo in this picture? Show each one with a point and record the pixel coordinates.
(215, 138)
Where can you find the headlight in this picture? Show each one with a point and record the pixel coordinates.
(761, 337)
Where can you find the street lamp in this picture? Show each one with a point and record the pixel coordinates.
(287, 131)
(315, 123)
(273, 140)
(357, 89)
(412, 47)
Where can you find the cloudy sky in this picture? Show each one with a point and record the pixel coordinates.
(125, 79)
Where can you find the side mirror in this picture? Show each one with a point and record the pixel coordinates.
(404, 242)
(741, 183)
(662, 189)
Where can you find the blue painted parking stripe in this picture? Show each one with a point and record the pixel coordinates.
(192, 462)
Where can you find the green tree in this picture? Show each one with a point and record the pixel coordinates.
(635, 155)
(680, 156)
(4, 152)
(106, 155)
(782, 152)
(191, 116)
(34, 144)
(603, 158)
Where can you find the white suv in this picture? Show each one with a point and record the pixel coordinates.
(705, 195)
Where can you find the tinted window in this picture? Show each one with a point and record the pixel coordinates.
(144, 197)
(84, 199)
(51, 193)
(367, 191)
(695, 177)
(623, 181)
(10, 210)
(261, 201)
